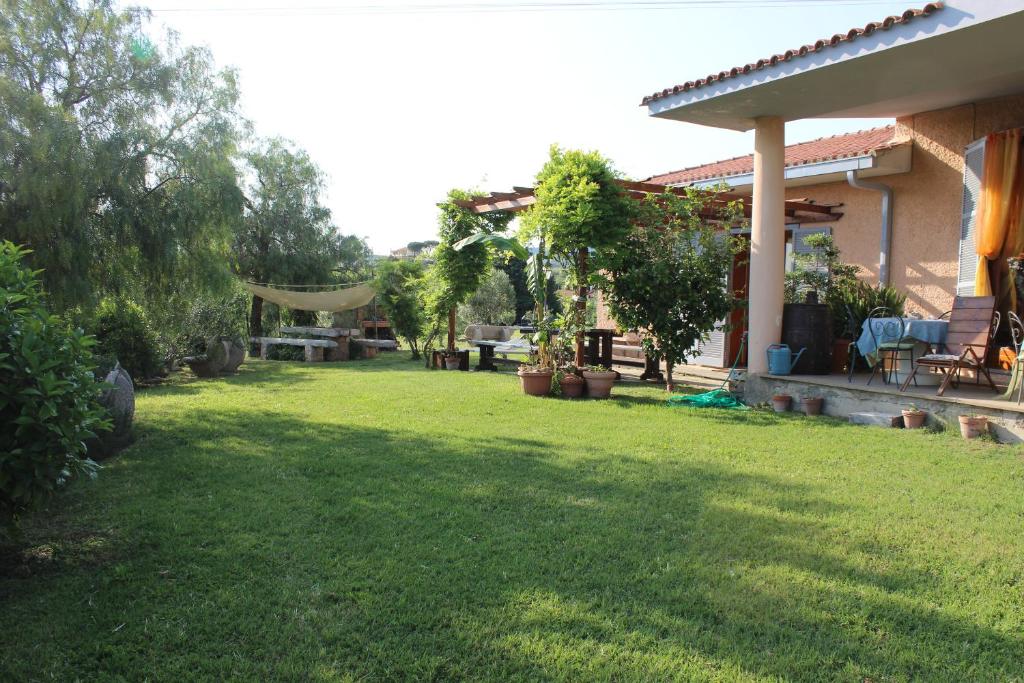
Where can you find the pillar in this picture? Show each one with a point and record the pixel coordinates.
(767, 240)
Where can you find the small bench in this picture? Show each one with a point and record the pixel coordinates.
(488, 349)
(314, 348)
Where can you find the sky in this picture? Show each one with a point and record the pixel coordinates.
(399, 101)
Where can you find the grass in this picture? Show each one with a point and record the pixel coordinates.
(372, 520)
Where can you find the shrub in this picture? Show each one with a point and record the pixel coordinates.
(48, 395)
(123, 332)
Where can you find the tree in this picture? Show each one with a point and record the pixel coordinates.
(515, 268)
(580, 207)
(457, 272)
(667, 277)
(398, 284)
(287, 235)
(493, 303)
(115, 153)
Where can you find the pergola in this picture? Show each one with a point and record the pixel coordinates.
(521, 198)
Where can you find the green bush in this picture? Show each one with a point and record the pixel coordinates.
(123, 332)
(859, 300)
(220, 317)
(48, 395)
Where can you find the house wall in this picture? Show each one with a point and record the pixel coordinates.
(926, 202)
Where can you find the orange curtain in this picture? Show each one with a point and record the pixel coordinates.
(1000, 233)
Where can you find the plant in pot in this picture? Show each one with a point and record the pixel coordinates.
(813, 294)
(972, 426)
(451, 360)
(812, 405)
(854, 306)
(913, 417)
(781, 402)
(599, 380)
(570, 384)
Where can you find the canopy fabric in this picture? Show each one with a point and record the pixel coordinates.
(332, 301)
(1000, 232)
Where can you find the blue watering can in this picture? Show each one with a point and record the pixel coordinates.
(781, 360)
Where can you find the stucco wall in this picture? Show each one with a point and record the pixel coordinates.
(927, 202)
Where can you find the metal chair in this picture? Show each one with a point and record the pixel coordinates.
(1017, 338)
(851, 352)
(1016, 330)
(888, 333)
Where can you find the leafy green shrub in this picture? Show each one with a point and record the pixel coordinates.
(221, 317)
(859, 300)
(123, 332)
(48, 395)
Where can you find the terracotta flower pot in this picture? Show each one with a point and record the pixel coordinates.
(599, 383)
(572, 386)
(913, 419)
(973, 427)
(781, 402)
(452, 362)
(536, 382)
(812, 405)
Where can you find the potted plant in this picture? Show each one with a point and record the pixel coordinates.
(451, 360)
(913, 417)
(812, 405)
(599, 381)
(535, 379)
(570, 383)
(972, 426)
(781, 402)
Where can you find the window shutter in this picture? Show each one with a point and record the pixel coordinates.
(974, 160)
(799, 234)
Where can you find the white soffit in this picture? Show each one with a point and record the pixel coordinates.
(968, 51)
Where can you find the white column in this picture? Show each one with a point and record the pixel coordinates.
(767, 240)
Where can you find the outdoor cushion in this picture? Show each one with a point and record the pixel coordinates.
(944, 357)
(896, 346)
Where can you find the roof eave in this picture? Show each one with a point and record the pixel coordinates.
(889, 161)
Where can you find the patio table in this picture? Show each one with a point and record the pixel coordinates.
(929, 332)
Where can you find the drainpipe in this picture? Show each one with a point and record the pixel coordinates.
(886, 247)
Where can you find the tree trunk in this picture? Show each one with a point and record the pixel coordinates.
(581, 305)
(669, 384)
(256, 317)
(451, 328)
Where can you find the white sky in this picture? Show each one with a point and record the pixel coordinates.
(398, 107)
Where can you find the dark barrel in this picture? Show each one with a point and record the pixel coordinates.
(809, 326)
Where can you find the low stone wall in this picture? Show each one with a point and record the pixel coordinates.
(1007, 424)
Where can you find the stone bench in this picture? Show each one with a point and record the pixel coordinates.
(371, 346)
(314, 348)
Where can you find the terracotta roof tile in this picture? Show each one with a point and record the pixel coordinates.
(823, 149)
(801, 51)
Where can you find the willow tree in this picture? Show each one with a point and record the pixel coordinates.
(287, 235)
(458, 268)
(580, 210)
(667, 276)
(115, 151)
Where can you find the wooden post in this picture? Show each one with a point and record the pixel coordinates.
(451, 328)
(581, 305)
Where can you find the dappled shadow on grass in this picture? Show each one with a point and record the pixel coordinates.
(386, 553)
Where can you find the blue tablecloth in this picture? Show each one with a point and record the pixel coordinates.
(932, 332)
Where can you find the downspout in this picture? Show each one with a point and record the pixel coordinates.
(886, 246)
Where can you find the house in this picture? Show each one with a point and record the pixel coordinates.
(949, 74)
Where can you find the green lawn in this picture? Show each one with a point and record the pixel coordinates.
(372, 520)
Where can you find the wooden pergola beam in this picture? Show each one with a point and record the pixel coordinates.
(522, 198)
